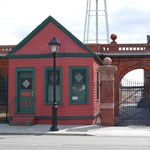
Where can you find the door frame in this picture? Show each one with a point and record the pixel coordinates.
(25, 69)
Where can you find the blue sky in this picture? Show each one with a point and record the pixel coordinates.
(129, 19)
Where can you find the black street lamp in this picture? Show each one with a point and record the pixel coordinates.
(54, 46)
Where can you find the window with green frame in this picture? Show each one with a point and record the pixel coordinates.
(49, 85)
(78, 85)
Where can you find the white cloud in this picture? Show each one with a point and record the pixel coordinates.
(127, 18)
(130, 20)
(19, 18)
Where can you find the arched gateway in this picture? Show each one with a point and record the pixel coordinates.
(131, 101)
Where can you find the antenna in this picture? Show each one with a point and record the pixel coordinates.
(96, 26)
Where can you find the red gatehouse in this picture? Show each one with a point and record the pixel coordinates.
(31, 85)
(89, 87)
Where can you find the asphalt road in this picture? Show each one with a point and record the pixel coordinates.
(49, 142)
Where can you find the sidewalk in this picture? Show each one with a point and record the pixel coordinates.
(89, 130)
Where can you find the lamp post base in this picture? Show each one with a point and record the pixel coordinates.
(54, 129)
(54, 118)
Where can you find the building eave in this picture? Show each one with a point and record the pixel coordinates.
(124, 55)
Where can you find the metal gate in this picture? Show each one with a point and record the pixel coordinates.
(134, 104)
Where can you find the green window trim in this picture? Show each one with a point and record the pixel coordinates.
(46, 83)
(81, 82)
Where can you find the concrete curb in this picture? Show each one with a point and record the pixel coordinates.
(79, 134)
(55, 134)
(90, 130)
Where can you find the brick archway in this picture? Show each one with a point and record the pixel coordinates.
(124, 66)
(126, 57)
(129, 65)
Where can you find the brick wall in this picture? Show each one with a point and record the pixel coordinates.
(96, 100)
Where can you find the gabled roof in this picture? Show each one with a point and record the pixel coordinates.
(48, 20)
(42, 34)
